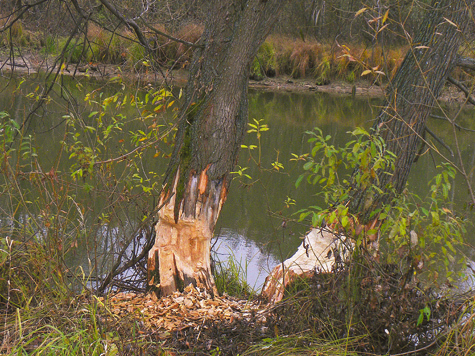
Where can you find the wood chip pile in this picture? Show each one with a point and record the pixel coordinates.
(190, 309)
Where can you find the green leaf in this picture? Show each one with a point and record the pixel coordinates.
(308, 165)
(315, 220)
(450, 246)
(344, 221)
(420, 319)
(426, 311)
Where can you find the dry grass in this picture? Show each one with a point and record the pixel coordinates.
(304, 58)
(312, 59)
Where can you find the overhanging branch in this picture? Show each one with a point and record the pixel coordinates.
(129, 23)
(466, 62)
(439, 140)
(463, 88)
(170, 37)
(453, 123)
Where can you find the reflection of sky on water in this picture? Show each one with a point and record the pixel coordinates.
(256, 262)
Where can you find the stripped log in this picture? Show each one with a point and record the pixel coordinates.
(320, 250)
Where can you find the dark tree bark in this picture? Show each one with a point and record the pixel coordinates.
(214, 118)
(412, 94)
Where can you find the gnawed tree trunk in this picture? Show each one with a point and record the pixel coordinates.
(214, 118)
(320, 250)
(411, 96)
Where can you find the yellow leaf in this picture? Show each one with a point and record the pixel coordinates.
(366, 72)
(385, 17)
(447, 211)
(360, 11)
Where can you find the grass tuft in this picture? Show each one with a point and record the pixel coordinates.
(231, 278)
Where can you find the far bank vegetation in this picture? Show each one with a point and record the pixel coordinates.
(320, 41)
(301, 46)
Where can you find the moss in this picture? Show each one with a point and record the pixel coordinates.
(185, 158)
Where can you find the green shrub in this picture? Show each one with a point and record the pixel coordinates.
(264, 64)
(427, 230)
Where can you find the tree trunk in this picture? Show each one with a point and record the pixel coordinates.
(210, 132)
(411, 96)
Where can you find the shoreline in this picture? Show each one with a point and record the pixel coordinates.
(31, 64)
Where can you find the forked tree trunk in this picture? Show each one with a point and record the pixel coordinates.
(412, 95)
(213, 122)
(410, 98)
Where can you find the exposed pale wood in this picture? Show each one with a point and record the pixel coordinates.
(318, 253)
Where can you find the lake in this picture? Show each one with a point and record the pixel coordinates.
(251, 227)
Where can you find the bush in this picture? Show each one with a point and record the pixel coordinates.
(387, 294)
(264, 64)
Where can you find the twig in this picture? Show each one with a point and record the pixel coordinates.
(459, 154)
(190, 44)
(453, 123)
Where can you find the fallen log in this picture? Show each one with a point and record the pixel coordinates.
(320, 250)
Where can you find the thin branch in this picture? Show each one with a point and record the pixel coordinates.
(21, 11)
(459, 153)
(466, 62)
(190, 44)
(439, 140)
(129, 23)
(125, 155)
(133, 25)
(115, 270)
(453, 123)
(462, 87)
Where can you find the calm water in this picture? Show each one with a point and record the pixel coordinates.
(250, 226)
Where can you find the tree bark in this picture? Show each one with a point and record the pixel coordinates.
(210, 132)
(411, 96)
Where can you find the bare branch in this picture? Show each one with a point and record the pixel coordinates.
(466, 62)
(171, 37)
(439, 140)
(463, 88)
(129, 23)
(456, 125)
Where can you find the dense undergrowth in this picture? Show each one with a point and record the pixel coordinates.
(279, 55)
